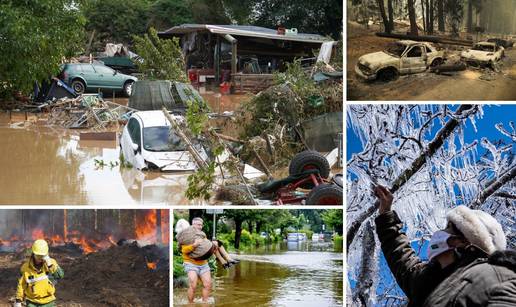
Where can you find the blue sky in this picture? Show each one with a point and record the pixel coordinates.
(493, 114)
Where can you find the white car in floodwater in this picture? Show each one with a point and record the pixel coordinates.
(148, 143)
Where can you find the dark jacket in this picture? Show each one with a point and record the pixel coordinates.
(475, 279)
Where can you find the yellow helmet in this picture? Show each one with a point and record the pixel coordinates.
(40, 247)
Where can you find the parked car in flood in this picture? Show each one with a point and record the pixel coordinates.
(483, 53)
(148, 143)
(84, 77)
(400, 58)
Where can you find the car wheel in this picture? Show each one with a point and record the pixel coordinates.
(308, 160)
(325, 194)
(128, 88)
(436, 63)
(78, 87)
(388, 74)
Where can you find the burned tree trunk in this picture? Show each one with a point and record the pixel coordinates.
(412, 17)
(440, 15)
(386, 23)
(469, 22)
(390, 11)
(423, 14)
(430, 8)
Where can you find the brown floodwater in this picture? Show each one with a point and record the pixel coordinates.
(287, 274)
(42, 165)
(219, 103)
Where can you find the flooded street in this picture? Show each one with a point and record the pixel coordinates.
(293, 274)
(41, 165)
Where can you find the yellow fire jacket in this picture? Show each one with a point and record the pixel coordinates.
(38, 285)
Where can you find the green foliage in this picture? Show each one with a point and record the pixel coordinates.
(247, 240)
(322, 16)
(34, 38)
(162, 58)
(338, 242)
(334, 219)
(196, 116)
(301, 83)
(308, 232)
(165, 14)
(116, 21)
(200, 183)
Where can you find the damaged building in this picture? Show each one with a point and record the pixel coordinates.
(244, 55)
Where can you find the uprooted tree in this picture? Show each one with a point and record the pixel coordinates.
(419, 153)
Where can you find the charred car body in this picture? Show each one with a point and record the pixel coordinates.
(400, 58)
(483, 54)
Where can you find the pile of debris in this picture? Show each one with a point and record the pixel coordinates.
(86, 111)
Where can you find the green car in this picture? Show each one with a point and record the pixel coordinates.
(83, 76)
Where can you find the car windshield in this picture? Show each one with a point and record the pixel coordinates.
(486, 48)
(395, 49)
(161, 139)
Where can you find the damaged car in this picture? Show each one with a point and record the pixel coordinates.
(149, 143)
(483, 54)
(400, 58)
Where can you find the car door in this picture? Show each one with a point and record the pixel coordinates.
(132, 135)
(415, 59)
(89, 74)
(106, 76)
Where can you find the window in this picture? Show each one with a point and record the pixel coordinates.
(415, 52)
(428, 50)
(103, 69)
(88, 68)
(134, 130)
(161, 139)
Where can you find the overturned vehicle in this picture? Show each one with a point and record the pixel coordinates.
(400, 58)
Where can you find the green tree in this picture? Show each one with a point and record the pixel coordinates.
(162, 58)
(239, 217)
(116, 21)
(322, 16)
(165, 14)
(333, 218)
(34, 38)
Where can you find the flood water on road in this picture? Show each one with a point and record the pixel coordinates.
(293, 274)
(41, 165)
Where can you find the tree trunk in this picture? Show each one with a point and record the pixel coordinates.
(251, 226)
(386, 24)
(238, 232)
(440, 15)
(158, 226)
(259, 227)
(391, 15)
(469, 22)
(412, 17)
(423, 14)
(431, 17)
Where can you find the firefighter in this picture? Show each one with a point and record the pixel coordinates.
(39, 275)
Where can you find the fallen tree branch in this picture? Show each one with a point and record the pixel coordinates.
(416, 165)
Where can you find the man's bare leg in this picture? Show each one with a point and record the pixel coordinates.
(192, 281)
(206, 286)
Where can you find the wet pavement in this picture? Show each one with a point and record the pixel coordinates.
(286, 274)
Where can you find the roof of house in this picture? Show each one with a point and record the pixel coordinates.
(250, 31)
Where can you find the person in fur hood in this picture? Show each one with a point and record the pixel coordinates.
(468, 265)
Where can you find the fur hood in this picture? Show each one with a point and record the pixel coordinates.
(480, 228)
(505, 258)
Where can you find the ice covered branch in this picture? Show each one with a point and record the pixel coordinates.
(493, 187)
(416, 165)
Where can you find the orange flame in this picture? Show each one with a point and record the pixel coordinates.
(38, 234)
(146, 228)
(152, 265)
